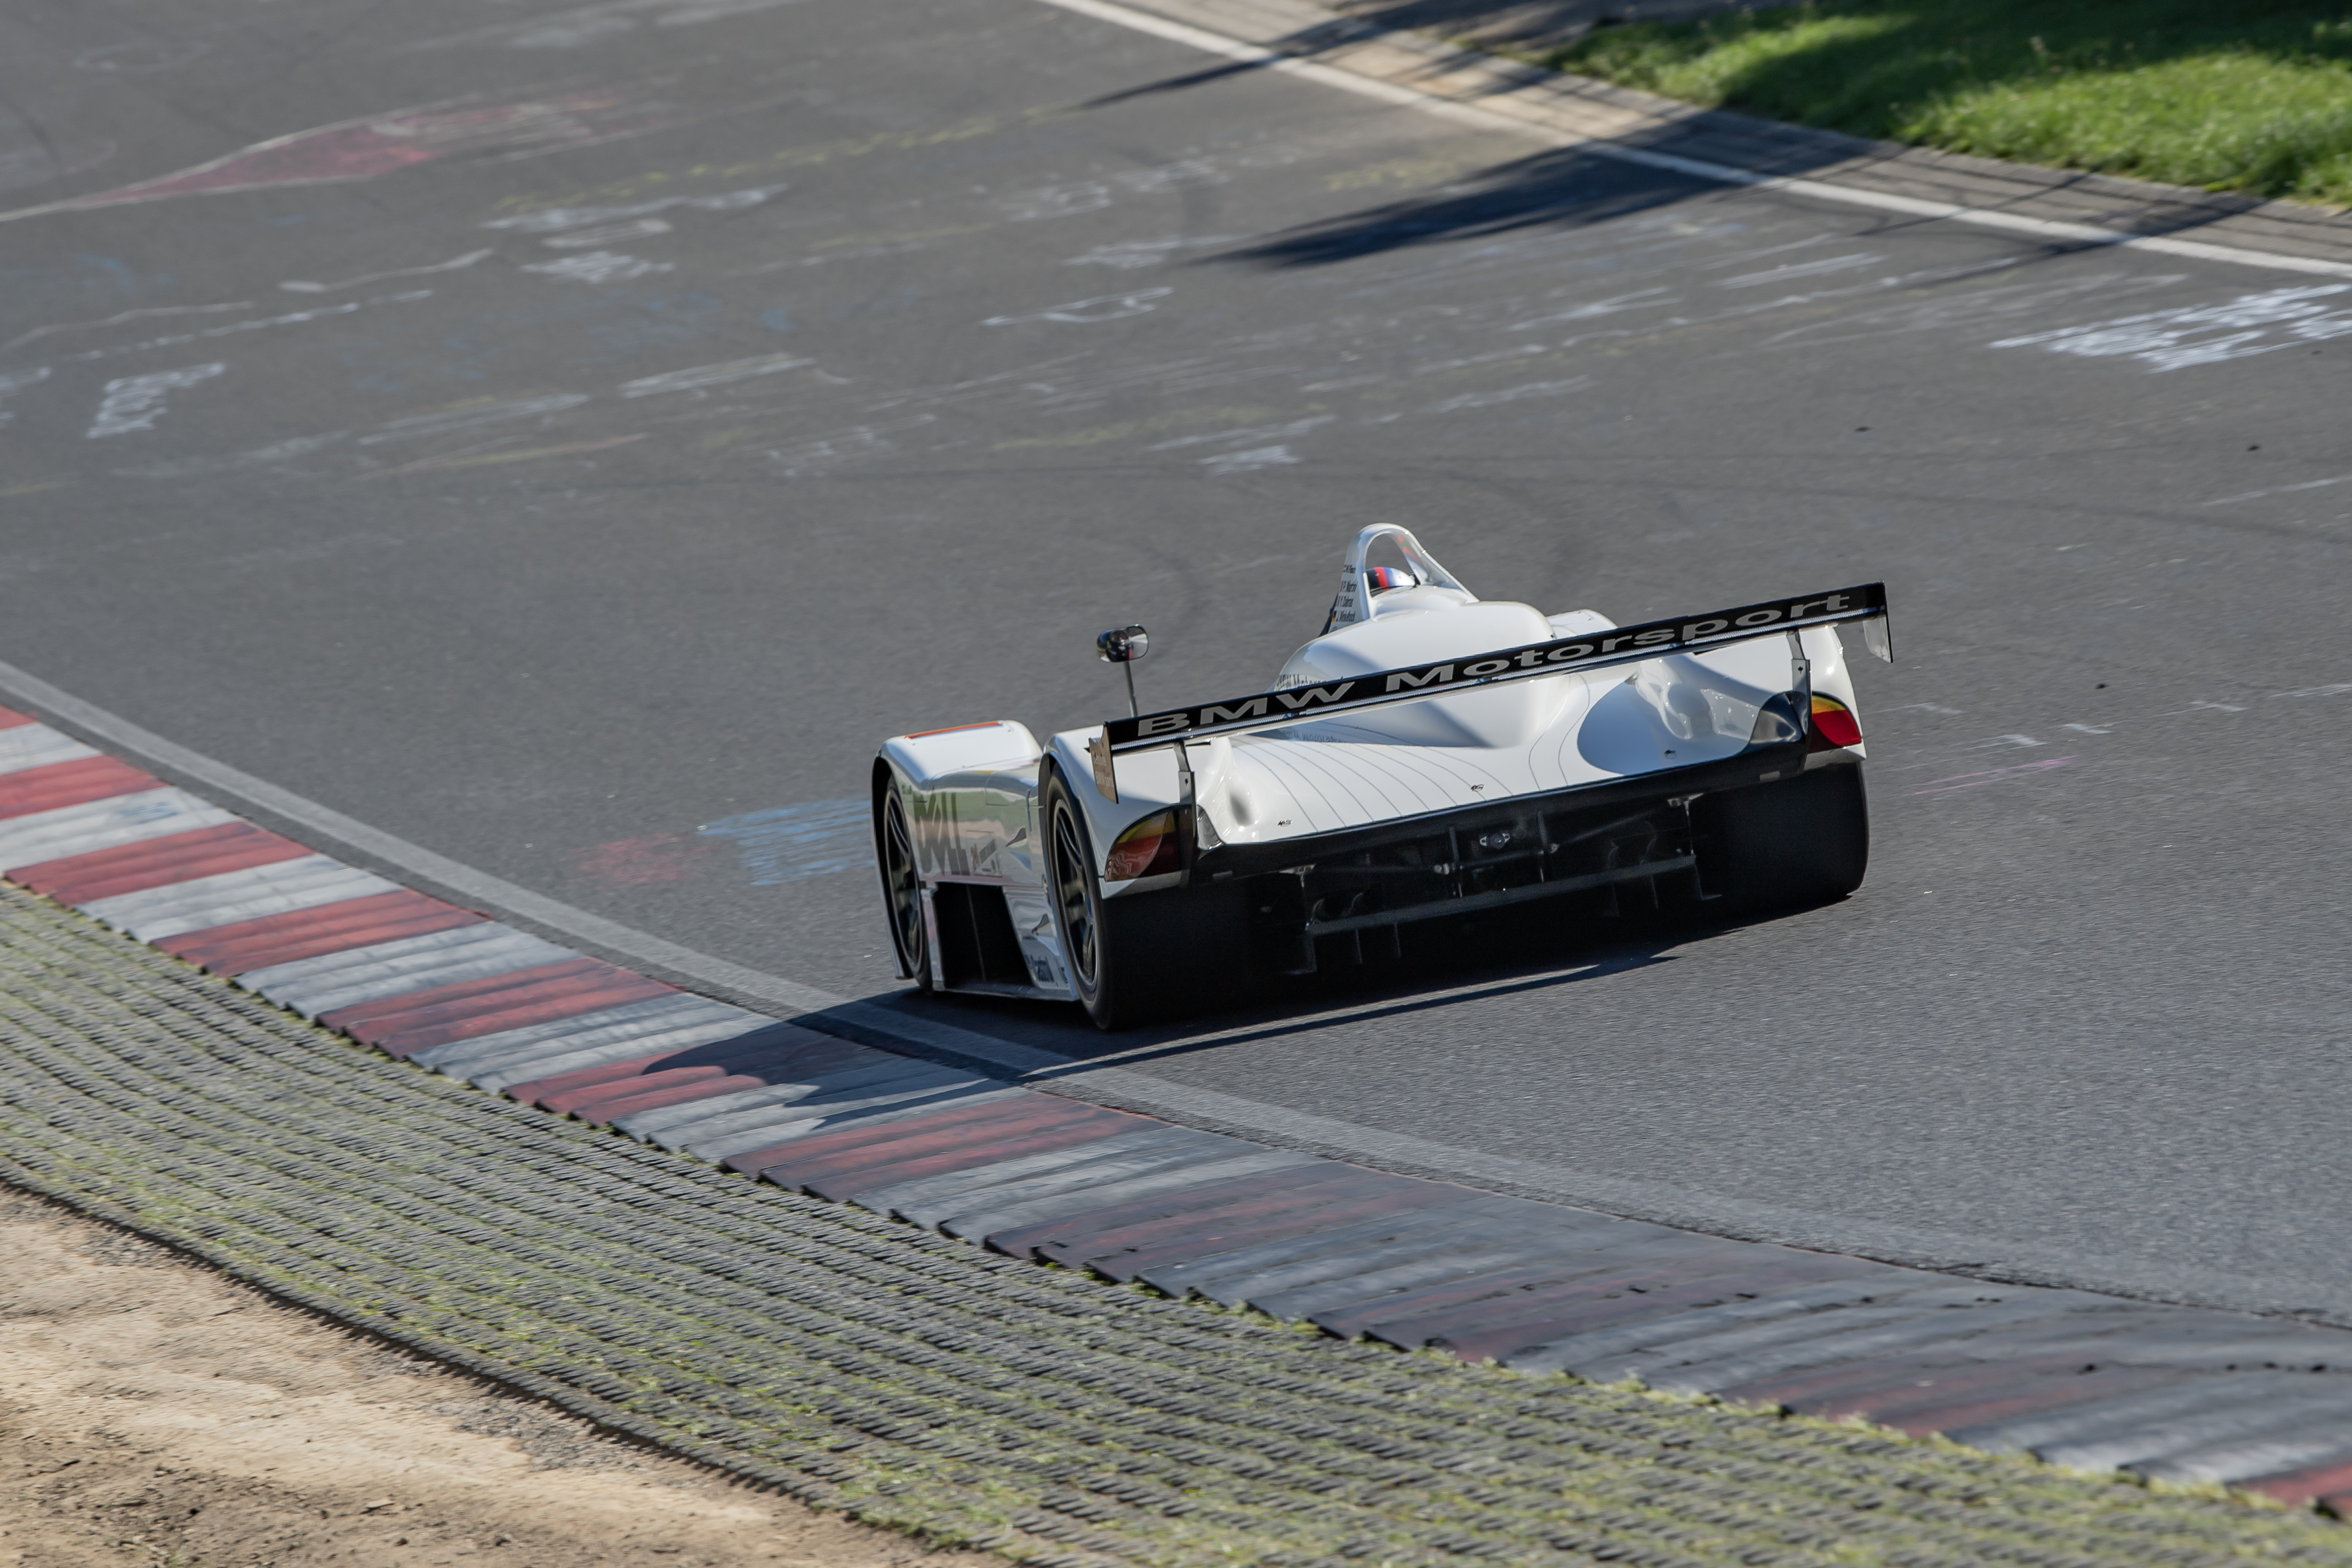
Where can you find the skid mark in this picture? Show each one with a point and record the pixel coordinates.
(142, 58)
(1512, 395)
(640, 862)
(1068, 200)
(2250, 324)
(284, 451)
(1054, 201)
(1257, 433)
(609, 234)
(600, 267)
(859, 441)
(554, 220)
(23, 338)
(802, 157)
(1102, 308)
(1639, 300)
(1257, 457)
(293, 319)
(1424, 167)
(470, 415)
(1796, 269)
(135, 402)
(1126, 428)
(793, 843)
(452, 265)
(380, 144)
(1978, 308)
(699, 376)
(984, 388)
(36, 165)
(2283, 489)
(16, 381)
(592, 24)
(1989, 775)
(476, 459)
(1128, 253)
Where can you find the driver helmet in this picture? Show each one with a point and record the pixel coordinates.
(1385, 579)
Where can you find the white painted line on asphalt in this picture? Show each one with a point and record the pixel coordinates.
(1722, 174)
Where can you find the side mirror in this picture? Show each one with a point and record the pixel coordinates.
(1122, 645)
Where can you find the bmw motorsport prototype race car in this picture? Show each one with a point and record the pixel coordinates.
(1430, 754)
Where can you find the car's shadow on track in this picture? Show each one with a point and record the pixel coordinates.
(1444, 965)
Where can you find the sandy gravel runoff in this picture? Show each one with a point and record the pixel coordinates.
(154, 1412)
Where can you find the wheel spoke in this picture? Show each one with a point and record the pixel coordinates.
(1070, 891)
(905, 885)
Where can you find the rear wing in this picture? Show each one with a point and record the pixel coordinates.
(1623, 644)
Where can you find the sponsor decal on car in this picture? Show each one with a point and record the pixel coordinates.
(1621, 644)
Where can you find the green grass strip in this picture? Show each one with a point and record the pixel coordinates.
(2253, 96)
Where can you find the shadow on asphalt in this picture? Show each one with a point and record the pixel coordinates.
(1565, 189)
(1445, 964)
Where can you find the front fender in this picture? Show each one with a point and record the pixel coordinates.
(970, 797)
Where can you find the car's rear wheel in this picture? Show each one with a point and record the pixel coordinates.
(1804, 840)
(902, 885)
(1147, 955)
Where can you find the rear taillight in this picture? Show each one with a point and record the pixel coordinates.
(1146, 849)
(1834, 722)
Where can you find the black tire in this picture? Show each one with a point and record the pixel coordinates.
(1804, 840)
(1145, 956)
(902, 887)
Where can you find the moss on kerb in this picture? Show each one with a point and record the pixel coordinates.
(917, 1382)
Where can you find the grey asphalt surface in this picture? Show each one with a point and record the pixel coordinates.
(1099, 329)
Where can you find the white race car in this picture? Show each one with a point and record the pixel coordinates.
(1431, 755)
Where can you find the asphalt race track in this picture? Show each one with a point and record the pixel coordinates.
(581, 433)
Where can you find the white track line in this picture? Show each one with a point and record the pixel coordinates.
(1724, 173)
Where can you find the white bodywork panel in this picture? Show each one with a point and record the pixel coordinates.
(972, 792)
(972, 801)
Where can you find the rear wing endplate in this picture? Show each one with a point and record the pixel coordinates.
(1623, 644)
